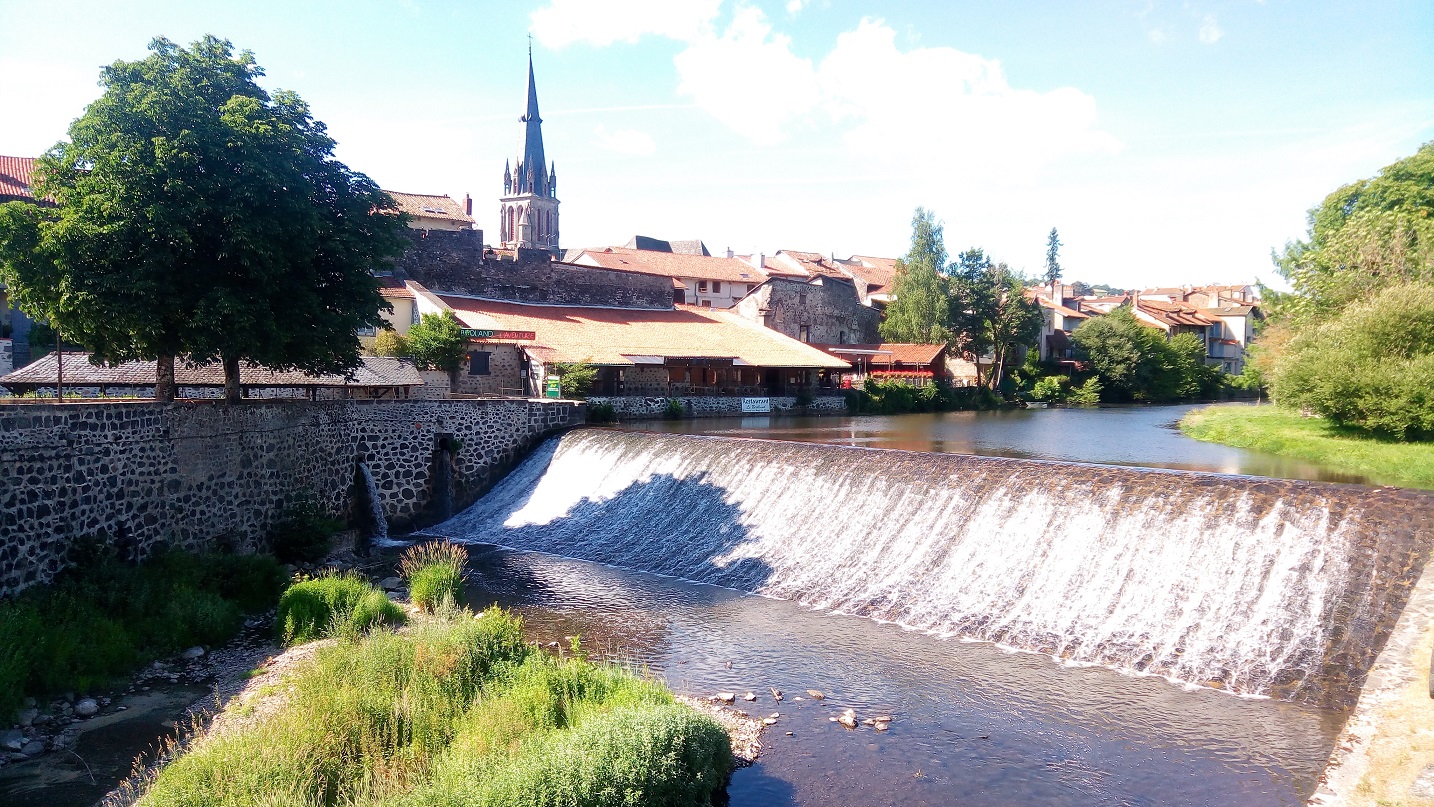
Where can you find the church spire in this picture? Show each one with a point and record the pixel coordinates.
(533, 157)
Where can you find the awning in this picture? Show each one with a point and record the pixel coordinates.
(644, 359)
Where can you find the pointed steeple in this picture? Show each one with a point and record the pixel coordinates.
(533, 157)
(507, 178)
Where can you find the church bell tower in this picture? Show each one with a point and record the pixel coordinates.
(528, 215)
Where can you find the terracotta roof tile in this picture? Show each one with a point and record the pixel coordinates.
(1174, 313)
(676, 264)
(890, 352)
(421, 205)
(17, 174)
(609, 336)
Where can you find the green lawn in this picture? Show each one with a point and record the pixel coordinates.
(1272, 430)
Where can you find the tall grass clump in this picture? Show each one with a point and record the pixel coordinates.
(434, 572)
(333, 605)
(105, 618)
(455, 710)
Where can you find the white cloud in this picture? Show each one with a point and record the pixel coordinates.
(603, 22)
(1157, 35)
(916, 110)
(748, 78)
(1210, 31)
(795, 6)
(625, 141)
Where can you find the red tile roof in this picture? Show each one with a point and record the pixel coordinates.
(394, 289)
(888, 352)
(879, 274)
(1046, 302)
(376, 371)
(17, 174)
(612, 336)
(1174, 313)
(421, 205)
(675, 264)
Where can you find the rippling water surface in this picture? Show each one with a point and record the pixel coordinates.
(973, 724)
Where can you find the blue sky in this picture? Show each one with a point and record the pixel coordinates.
(1170, 142)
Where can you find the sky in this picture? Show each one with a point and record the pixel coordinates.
(1168, 142)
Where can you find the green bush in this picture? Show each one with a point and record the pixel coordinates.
(304, 534)
(602, 413)
(674, 410)
(1370, 368)
(104, 619)
(575, 378)
(1087, 394)
(333, 605)
(1052, 389)
(456, 710)
(388, 342)
(1136, 362)
(434, 572)
(436, 342)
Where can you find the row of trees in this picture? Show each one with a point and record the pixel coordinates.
(195, 214)
(1353, 339)
(974, 305)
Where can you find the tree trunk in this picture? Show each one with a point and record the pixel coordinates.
(233, 392)
(164, 379)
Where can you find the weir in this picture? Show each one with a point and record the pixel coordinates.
(1257, 586)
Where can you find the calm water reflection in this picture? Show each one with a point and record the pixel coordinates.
(1130, 435)
(973, 725)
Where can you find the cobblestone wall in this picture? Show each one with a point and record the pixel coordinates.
(636, 407)
(202, 474)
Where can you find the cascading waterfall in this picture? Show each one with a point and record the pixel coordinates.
(1259, 586)
(375, 505)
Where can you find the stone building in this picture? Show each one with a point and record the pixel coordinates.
(16, 175)
(528, 211)
(705, 280)
(823, 310)
(430, 212)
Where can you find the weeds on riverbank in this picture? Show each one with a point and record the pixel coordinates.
(455, 710)
(1273, 430)
(434, 571)
(333, 605)
(105, 618)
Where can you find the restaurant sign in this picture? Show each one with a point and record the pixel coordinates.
(482, 335)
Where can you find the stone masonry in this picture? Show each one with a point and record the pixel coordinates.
(204, 475)
(633, 407)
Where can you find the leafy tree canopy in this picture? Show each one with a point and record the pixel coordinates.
(437, 342)
(197, 214)
(1136, 362)
(921, 312)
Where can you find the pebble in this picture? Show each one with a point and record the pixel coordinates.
(724, 697)
(27, 717)
(749, 697)
(767, 721)
(816, 694)
(13, 739)
(848, 718)
(87, 708)
(33, 748)
(192, 653)
(883, 726)
(121, 708)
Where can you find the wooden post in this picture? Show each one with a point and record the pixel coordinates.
(59, 369)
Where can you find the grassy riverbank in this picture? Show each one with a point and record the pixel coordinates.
(1272, 430)
(456, 709)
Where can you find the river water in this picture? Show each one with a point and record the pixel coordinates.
(1117, 435)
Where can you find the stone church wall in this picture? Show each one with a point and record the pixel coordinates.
(455, 262)
(204, 475)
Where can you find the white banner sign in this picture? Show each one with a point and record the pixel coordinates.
(756, 404)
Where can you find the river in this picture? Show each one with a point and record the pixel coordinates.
(1116, 435)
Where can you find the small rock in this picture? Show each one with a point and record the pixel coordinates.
(816, 694)
(13, 740)
(87, 708)
(789, 734)
(391, 583)
(848, 718)
(724, 697)
(33, 748)
(104, 701)
(775, 715)
(69, 697)
(121, 708)
(799, 698)
(192, 653)
(882, 725)
(749, 697)
(868, 722)
(767, 721)
(27, 717)
(776, 694)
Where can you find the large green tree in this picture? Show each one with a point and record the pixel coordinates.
(197, 214)
(921, 311)
(1136, 362)
(990, 315)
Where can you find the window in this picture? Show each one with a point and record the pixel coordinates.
(478, 362)
(804, 333)
(841, 337)
(413, 317)
(367, 331)
(702, 285)
(716, 287)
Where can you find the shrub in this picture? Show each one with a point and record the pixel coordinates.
(105, 618)
(391, 343)
(1052, 389)
(304, 534)
(437, 342)
(333, 605)
(1370, 368)
(674, 410)
(1087, 394)
(576, 378)
(434, 572)
(602, 413)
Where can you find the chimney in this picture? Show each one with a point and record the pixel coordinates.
(729, 252)
(467, 205)
(758, 260)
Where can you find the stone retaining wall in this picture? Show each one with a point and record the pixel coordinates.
(637, 407)
(200, 474)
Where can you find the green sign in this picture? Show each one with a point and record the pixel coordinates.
(553, 387)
